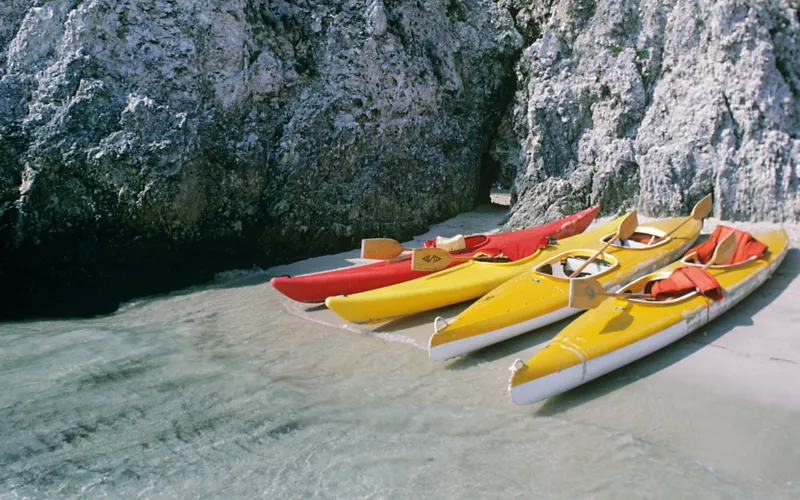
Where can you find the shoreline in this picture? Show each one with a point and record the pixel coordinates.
(752, 334)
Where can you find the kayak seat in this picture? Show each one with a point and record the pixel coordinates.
(470, 242)
(747, 247)
(453, 244)
(566, 266)
(630, 244)
(642, 238)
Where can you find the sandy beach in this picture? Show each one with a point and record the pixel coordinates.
(231, 390)
(739, 372)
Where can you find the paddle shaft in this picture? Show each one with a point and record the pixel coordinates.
(677, 227)
(592, 258)
(630, 295)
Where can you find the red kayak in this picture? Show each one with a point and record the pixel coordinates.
(515, 245)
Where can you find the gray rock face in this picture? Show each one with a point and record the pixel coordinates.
(145, 144)
(653, 104)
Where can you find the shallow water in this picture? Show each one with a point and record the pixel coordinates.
(230, 390)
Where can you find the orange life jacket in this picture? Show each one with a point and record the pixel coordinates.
(746, 246)
(684, 280)
(642, 238)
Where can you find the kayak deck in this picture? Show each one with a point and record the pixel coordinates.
(535, 298)
(451, 286)
(621, 330)
(313, 288)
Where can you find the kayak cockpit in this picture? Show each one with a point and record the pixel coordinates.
(563, 266)
(692, 260)
(644, 237)
(645, 284)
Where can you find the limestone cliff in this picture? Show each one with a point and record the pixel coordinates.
(145, 144)
(653, 104)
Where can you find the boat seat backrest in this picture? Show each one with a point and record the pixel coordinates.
(453, 244)
(630, 244)
(564, 269)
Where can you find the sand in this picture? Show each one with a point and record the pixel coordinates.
(231, 390)
(732, 373)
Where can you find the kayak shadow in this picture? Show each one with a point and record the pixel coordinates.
(524, 346)
(740, 315)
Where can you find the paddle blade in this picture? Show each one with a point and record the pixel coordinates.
(430, 259)
(723, 252)
(628, 226)
(703, 208)
(585, 293)
(380, 248)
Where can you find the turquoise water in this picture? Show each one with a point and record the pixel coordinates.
(220, 391)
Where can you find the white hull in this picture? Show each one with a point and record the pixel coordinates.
(545, 387)
(469, 344)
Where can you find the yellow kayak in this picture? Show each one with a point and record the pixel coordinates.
(457, 284)
(540, 295)
(620, 330)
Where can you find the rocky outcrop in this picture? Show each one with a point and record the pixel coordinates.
(653, 104)
(145, 144)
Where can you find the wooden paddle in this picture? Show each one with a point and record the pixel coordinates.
(436, 259)
(699, 212)
(625, 230)
(587, 293)
(381, 248)
(723, 252)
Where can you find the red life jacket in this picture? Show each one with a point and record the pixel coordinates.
(516, 250)
(746, 246)
(511, 249)
(685, 280)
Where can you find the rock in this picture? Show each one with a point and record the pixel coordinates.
(145, 145)
(637, 103)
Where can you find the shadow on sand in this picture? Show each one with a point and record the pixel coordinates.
(741, 315)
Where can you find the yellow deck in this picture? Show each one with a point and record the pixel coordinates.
(457, 284)
(516, 305)
(618, 323)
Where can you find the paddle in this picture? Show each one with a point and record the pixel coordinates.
(723, 252)
(587, 293)
(625, 230)
(436, 259)
(381, 248)
(699, 212)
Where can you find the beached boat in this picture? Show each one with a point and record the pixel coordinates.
(465, 282)
(621, 330)
(540, 295)
(516, 245)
